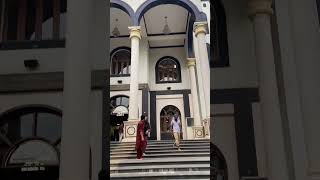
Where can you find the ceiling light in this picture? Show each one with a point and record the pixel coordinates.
(166, 30)
(116, 31)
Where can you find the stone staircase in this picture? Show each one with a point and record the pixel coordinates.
(162, 161)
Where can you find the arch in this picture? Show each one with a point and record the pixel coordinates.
(166, 114)
(119, 48)
(218, 163)
(178, 69)
(187, 4)
(121, 103)
(35, 118)
(120, 67)
(30, 107)
(124, 7)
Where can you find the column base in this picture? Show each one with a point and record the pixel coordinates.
(130, 130)
(198, 132)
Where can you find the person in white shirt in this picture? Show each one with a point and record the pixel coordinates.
(176, 129)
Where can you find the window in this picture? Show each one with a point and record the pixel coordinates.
(28, 124)
(168, 70)
(119, 101)
(120, 62)
(32, 20)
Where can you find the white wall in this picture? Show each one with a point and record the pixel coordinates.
(143, 59)
(179, 54)
(50, 60)
(242, 71)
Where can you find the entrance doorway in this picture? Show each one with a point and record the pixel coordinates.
(114, 125)
(166, 115)
(119, 108)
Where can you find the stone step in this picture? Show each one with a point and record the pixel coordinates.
(168, 148)
(161, 155)
(159, 161)
(160, 168)
(162, 151)
(160, 145)
(162, 142)
(163, 175)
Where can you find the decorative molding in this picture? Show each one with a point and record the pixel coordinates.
(260, 7)
(43, 44)
(44, 82)
(126, 87)
(53, 81)
(130, 128)
(198, 132)
(161, 47)
(191, 62)
(200, 27)
(135, 31)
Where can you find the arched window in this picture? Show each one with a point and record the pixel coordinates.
(29, 127)
(218, 165)
(119, 101)
(168, 70)
(120, 62)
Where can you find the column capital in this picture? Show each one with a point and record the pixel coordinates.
(135, 31)
(260, 7)
(200, 27)
(191, 62)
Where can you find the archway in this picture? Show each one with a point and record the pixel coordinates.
(119, 109)
(218, 164)
(166, 115)
(187, 4)
(30, 136)
(190, 7)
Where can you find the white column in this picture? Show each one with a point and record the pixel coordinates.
(200, 30)
(191, 63)
(130, 126)
(202, 102)
(135, 37)
(198, 131)
(260, 11)
(74, 159)
(306, 46)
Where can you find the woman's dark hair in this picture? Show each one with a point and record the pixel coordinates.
(143, 117)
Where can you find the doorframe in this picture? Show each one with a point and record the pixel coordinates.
(178, 103)
(153, 107)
